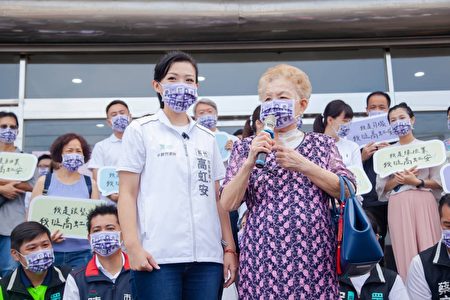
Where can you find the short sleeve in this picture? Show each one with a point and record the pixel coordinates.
(435, 174)
(379, 188)
(218, 167)
(71, 291)
(238, 156)
(356, 156)
(133, 149)
(416, 283)
(96, 160)
(336, 165)
(398, 290)
(32, 180)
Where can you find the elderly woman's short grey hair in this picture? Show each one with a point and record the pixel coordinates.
(294, 75)
(205, 101)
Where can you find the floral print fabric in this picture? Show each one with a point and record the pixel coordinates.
(288, 248)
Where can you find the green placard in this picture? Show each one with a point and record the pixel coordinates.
(398, 158)
(363, 184)
(69, 215)
(17, 166)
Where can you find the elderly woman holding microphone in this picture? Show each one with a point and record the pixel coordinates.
(289, 243)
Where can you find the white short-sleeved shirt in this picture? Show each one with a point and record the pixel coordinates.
(178, 219)
(417, 284)
(106, 153)
(350, 152)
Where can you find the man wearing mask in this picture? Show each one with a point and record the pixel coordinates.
(206, 114)
(36, 278)
(44, 164)
(107, 275)
(12, 193)
(377, 103)
(106, 153)
(429, 272)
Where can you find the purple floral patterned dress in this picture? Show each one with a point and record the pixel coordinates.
(288, 249)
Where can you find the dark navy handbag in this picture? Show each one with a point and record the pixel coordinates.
(358, 248)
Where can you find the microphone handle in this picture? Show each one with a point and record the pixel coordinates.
(261, 159)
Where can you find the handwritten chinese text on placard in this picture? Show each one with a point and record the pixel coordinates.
(398, 158)
(17, 166)
(69, 215)
(371, 129)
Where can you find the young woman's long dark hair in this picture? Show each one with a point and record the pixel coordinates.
(250, 124)
(333, 109)
(401, 105)
(164, 64)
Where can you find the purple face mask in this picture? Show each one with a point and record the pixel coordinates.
(8, 135)
(179, 96)
(208, 121)
(401, 127)
(72, 161)
(105, 243)
(120, 122)
(39, 261)
(446, 237)
(344, 130)
(283, 110)
(43, 171)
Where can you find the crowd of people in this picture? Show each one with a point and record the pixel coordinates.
(189, 224)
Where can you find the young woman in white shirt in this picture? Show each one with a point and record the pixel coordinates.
(169, 177)
(335, 122)
(413, 216)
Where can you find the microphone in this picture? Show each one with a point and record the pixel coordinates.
(269, 125)
(185, 136)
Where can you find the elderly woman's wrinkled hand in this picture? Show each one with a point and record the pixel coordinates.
(290, 159)
(261, 143)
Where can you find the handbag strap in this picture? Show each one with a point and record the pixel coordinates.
(340, 235)
(345, 182)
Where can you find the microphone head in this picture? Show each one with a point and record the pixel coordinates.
(269, 122)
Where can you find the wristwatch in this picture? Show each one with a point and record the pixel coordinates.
(421, 184)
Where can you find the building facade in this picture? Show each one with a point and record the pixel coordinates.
(61, 62)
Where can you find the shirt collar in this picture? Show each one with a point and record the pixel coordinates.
(376, 275)
(104, 271)
(27, 282)
(441, 256)
(114, 139)
(163, 119)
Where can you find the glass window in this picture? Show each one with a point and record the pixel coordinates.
(40, 134)
(329, 71)
(9, 77)
(421, 69)
(431, 125)
(90, 76)
(80, 76)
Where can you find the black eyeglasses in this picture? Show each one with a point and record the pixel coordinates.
(4, 126)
